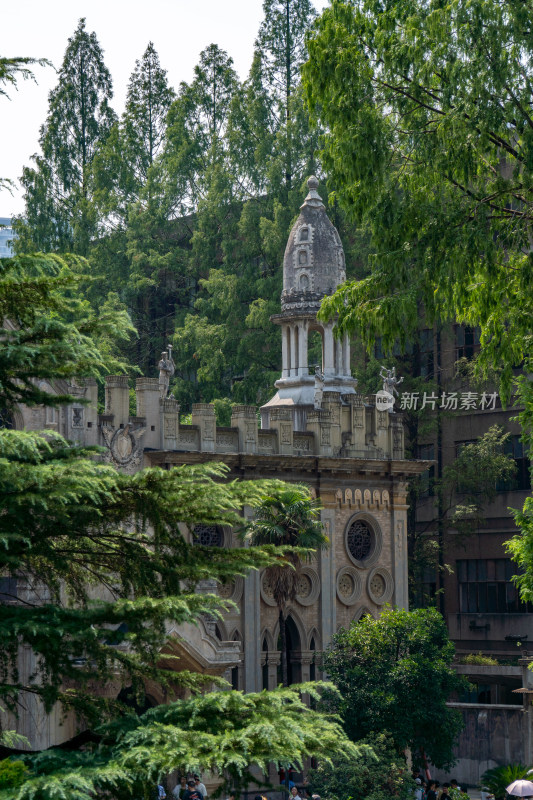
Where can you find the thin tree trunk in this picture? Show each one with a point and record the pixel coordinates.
(283, 637)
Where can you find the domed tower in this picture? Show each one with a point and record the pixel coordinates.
(313, 267)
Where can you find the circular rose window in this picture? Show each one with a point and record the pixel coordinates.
(363, 541)
(360, 540)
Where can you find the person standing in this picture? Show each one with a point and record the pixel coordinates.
(191, 793)
(294, 793)
(432, 791)
(179, 790)
(200, 786)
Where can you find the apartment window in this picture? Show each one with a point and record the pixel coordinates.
(427, 364)
(466, 341)
(478, 693)
(485, 587)
(521, 480)
(426, 452)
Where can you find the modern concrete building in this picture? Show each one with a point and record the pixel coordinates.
(480, 602)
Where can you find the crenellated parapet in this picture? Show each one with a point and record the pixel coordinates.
(345, 426)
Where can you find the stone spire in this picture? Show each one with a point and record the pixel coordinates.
(313, 267)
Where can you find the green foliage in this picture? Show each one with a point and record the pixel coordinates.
(497, 778)
(429, 141)
(480, 660)
(121, 165)
(48, 332)
(12, 773)
(377, 773)
(394, 674)
(59, 214)
(226, 732)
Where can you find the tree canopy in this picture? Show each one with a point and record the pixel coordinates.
(428, 143)
(394, 674)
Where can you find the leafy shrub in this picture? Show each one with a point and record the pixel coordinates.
(480, 660)
(498, 778)
(11, 773)
(379, 773)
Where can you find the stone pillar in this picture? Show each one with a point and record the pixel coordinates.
(170, 413)
(303, 368)
(294, 352)
(251, 628)
(346, 354)
(327, 571)
(285, 351)
(331, 404)
(273, 661)
(245, 419)
(148, 396)
(117, 398)
(339, 357)
(397, 436)
(281, 421)
(399, 544)
(383, 436)
(203, 415)
(328, 366)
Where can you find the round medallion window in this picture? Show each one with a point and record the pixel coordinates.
(380, 586)
(363, 541)
(307, 586)
(377, 585)
(226, 590)
(303, 587)
(208, 535)
(349, 586)
(267, 589)
(346, 586)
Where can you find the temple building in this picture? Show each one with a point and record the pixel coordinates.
(316, 430)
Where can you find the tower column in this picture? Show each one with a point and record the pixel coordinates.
(294, 352)
(339, 356)
(285, 351)
(346, 354)
(329, 351)
(303, 369)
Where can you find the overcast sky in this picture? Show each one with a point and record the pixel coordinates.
(179, 29)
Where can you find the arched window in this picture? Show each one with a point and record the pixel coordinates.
(304, 235)
(302, 258)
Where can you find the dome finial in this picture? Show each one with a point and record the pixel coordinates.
(313, 198)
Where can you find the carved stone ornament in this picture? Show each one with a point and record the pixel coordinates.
(232, 590)
(124, 445)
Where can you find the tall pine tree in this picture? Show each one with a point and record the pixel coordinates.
(58, 215)
(121, 165)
